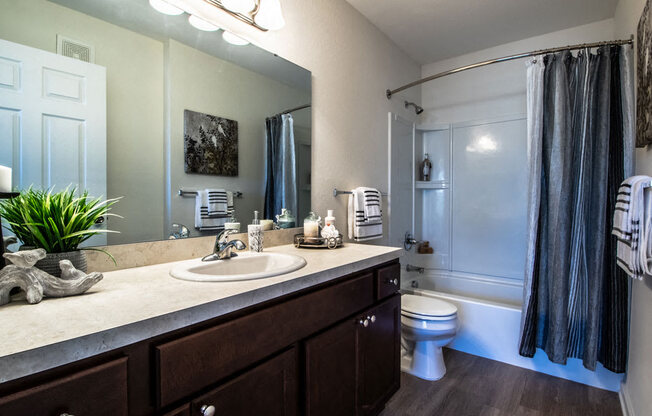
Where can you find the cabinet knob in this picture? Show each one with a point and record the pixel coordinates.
(393, 281)
(372, 318)
(364, 322)
(207, 410)
(66, 414)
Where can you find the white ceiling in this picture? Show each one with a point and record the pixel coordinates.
(432, 30)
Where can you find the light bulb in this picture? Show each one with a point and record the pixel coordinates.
(234, 39)
(202, 24)
(165, 7)
(270, 15)
(239, 6)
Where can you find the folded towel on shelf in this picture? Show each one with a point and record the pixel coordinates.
(204, 220)
(217, 202)
(365, 216)
(631, 226)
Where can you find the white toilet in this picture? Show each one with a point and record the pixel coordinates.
(427, 325)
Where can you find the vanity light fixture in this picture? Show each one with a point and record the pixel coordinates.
(165, 7)
(234, 39)
(262, 14)
(201, 24)
(239, 6)
(269, 15)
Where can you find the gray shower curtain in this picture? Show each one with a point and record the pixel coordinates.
(580, 145)
(281, 180)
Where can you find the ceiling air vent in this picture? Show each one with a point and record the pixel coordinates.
(75, 49)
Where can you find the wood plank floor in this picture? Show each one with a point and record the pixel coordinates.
(479, 386)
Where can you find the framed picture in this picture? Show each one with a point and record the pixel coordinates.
(644, 79)
(210, 144)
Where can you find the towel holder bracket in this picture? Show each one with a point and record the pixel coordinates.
(236, 194)
(337, 192)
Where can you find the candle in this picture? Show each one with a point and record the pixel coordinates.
(267, 225)
(311, 229)
(5, 179)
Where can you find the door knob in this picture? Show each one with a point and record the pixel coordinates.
(364, 322)
(207, 410)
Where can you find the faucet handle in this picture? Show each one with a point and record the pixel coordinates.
(223, 235)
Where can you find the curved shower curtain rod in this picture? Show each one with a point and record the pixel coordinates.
(629, 41)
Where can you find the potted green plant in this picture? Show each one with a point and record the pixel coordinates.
(57, 222)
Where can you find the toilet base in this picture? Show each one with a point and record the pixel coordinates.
(425, 361)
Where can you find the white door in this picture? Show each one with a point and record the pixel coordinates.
(52, 121)
(401, 179)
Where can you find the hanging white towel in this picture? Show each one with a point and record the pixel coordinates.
(207, 222)
(217, 202)
(365, 220)
(631, 226)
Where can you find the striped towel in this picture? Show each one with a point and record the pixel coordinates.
(631, 226)
(217, 202)
(204, 220)
(365, 216)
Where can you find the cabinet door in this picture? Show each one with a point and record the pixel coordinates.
(97, 391)
(379, 356)
(331, 377)
(269, 389)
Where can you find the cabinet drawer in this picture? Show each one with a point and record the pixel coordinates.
(270, 389)
(189, 364)
(97, 391)
(388, 280)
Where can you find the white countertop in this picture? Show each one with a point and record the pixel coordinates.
(132, 305)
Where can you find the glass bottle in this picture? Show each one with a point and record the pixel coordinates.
(426, 168)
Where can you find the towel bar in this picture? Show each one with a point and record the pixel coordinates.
(236, 194)
(337, 192)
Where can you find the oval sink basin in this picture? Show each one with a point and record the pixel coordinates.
(246, 266)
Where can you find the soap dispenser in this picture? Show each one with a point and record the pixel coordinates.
(255, 234)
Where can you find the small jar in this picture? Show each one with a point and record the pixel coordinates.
(286, 219)
(311, 225)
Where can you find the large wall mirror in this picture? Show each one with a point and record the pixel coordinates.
(113, 97)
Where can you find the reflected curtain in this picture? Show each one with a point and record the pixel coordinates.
(580, 145)
(281, 180)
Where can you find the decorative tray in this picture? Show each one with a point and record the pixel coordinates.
(301, 241)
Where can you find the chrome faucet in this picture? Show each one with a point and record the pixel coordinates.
(223, 248)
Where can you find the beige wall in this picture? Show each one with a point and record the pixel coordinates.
(214, 86)
(352, 64)
(134, 105)
(638, 383)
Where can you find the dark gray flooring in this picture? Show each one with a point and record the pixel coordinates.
(479, 386)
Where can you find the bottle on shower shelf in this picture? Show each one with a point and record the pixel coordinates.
(426, 167)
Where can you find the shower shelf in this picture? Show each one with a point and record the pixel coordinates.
(432, 185)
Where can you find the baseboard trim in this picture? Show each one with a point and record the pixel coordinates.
(625, 401)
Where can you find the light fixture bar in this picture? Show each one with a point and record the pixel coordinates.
(244, 18)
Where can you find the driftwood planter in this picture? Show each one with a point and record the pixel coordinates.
(38, 284)
(50, 264)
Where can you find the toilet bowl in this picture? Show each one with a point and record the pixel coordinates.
(427, 325)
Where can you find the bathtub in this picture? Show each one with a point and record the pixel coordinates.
(490, 325)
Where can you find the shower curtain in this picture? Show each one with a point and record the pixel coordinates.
(580, 148)
(281, 188)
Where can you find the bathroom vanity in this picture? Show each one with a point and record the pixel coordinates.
(324, 340)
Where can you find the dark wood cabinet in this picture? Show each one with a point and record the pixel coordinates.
(379, 351)
(99, 391)
(269, 389)
(353, 368)
(329, 350)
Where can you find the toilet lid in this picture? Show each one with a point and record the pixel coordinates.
(426, 306)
